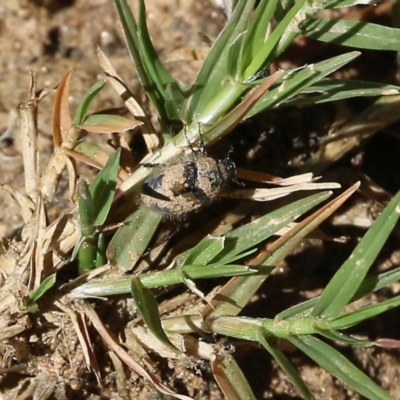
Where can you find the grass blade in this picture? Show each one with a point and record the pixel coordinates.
(148, 308)
(87, 101)
(349, 277)
(132, 239)
(352, 33)
(369, 285)
(287, 366)
(230, 378)
(334, 362)
(102, 189)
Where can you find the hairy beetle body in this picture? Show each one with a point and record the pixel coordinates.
(183, 188)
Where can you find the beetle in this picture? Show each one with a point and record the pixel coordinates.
(180, 189)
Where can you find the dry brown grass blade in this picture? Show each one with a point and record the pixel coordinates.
(64, 137)
(124, 356)
(99, 129)
(255, 176)
(39, 270)
(13, 321)
(61, 117)
(9, 330)
(261, 177)
(41, 387)
(149, 133)
(97, 162)
(275, 193)
(59, 239)
(78, 321)
(224, 366)
(30, 257)
(120, 376)
(24, 203)
(28, 137)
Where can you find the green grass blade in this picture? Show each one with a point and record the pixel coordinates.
(152, 74)
(241, 289)
(264, 54)
(131, 240)
(339, 366)
(205, 251)
(122, 285)
(257, 32)
(369, 285)
(296, 81)
(174, 99)
(230, 378)
(340, 337)
(213, 72)
(101, 258)
(348, 3)
(87, 252)
(288, 368)
(86, 102)
(153, 65)
(31, 300)
(108, 122)
(249, 235)
(349, 277)
(327, 90)
(364, 313)
(103, 188)
(87, 211)
(240, 240)
(352, 33)
(235, 57)
(147, 306)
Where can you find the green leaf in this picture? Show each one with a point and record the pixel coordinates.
(352, 33)
(265, 53)
(108, 123)
(121, 285)
(327, 90)
(298, 80)
(369, 285)
(152, 74)
(230, 378)
(132, 239)
(364, 313)
(334, 362)
(257, 32)
(205, 251)
(174, 99)
(213, 73)
(349, 277)
(87, 245)
(31, 300)
(287, 367)
(87, 210)
(148, 309)
(103, 187)
(86, 102)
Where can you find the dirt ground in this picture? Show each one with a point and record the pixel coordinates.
(50, 37)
